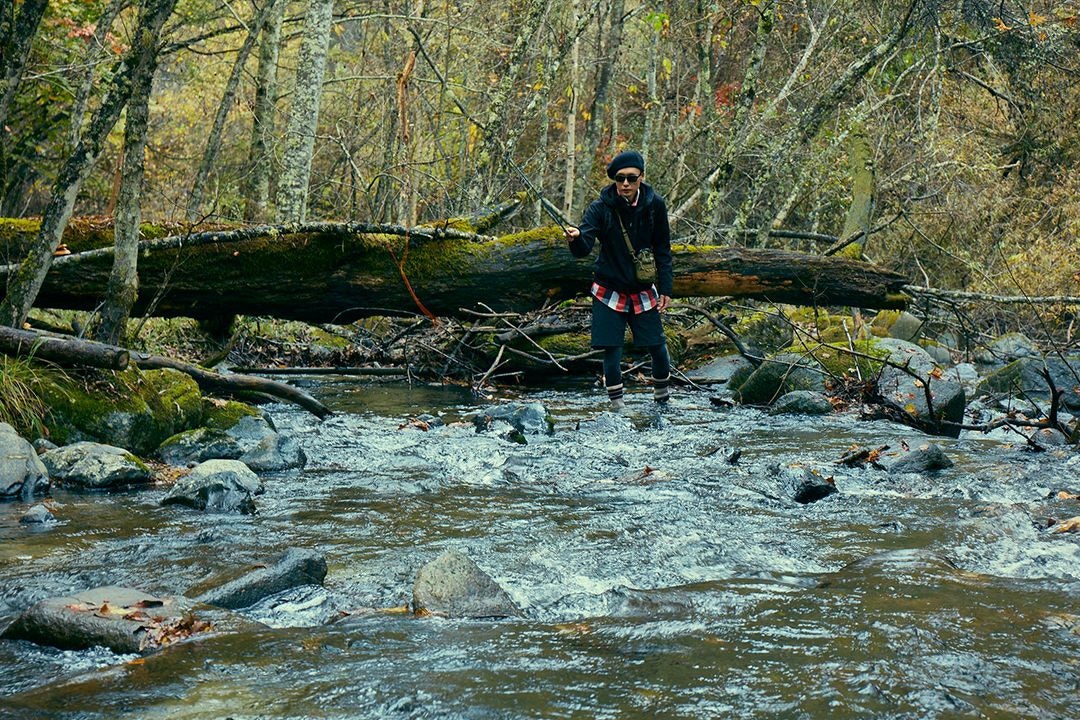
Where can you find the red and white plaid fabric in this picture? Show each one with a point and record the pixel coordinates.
(636, 303)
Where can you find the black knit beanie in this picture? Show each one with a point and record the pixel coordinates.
(625, 159)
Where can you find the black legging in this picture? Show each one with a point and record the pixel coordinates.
(661, 363)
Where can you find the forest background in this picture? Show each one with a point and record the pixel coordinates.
(946, 130)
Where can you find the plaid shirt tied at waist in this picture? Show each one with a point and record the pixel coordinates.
(636, 303)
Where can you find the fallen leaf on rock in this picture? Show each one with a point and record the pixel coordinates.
(1066, 495)
(1070, 525)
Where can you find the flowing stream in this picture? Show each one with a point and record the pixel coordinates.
(687, 591)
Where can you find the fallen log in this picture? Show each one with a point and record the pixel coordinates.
(327, 272)
(65, 351)
(77, 352)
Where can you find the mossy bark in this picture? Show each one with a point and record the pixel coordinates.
(338, 274)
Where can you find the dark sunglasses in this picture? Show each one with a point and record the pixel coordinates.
(627, 178)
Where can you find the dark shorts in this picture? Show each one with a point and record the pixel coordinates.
(609, 326)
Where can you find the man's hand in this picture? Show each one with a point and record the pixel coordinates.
(662, 305)
(572, 233)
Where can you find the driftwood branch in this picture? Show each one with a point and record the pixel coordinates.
(76, 352)
(216, 382)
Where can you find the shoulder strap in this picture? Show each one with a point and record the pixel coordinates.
(625, 235)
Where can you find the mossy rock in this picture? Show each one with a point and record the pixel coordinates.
(818, 326)
(222, 415)
(764, 333)
(776, 376)
(841, 363)
(898, 324)
(132, 409)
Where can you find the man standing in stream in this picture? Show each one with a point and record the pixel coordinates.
(628, 213)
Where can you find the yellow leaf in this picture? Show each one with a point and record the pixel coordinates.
(1070, 525)
(1000, 25)
(1036, 19)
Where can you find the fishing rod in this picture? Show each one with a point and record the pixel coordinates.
(551, 211)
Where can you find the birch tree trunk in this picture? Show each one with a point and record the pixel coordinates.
(213, 142)
(594, 126)
(17, 32)
(257, 186)
(304, 113)
(94, 52)
(571, 119)
(123, 286)
(139, 61)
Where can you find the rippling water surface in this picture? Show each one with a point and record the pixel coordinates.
(685, 591)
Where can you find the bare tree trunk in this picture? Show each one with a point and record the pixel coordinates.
(17, 33)
(257, 187)
(304, 113)
(140, 61)
(594, 126)
(213, 141)
(124, 281)
(861, 211)
(495, 142)
(573, 83)
(94, 52)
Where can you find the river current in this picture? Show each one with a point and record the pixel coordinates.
(658, 576)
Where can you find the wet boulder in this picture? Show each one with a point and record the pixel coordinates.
(263, 449)
(525, 418)
(722, 370)
(801, 402)
(452, 585)
(907, 390)
(226, 486)
(293, 568)
(22, 474)
(779, 375)
(898, 324)
(93, 466)
(122, 619)
(1007, 348)
(38, 514)
(1025, 378)
(195, 446)
(805, 486)
(927, 457)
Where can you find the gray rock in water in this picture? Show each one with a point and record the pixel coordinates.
(275, 453)
(118, 618)
(907, 391)
(93, 466)
(527, 418)
(38, 515)
(198, 445)
(782, 374)
(452, 585)
(217, 486)
(293, 568)
(22, 474)
(806, 486)
(801, 402)
(723, 369)
(262, 448)
(924, 458)
(1024, 377)
(1007, 348)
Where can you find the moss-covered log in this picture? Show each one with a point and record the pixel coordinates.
(338, 272)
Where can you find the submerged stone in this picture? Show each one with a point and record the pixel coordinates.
(801, 402)
(37, 515)
(526, 418)
(293, 568)
(453, 585)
